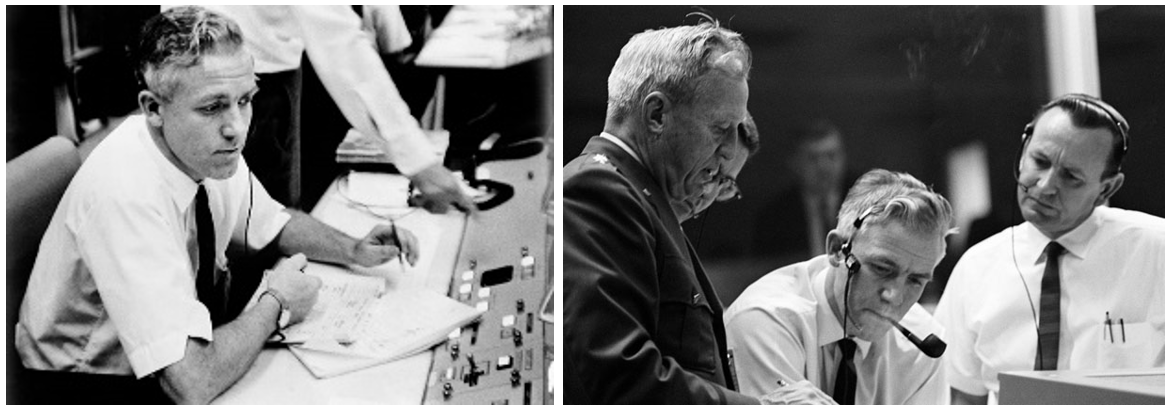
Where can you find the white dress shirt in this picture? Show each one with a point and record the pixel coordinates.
(1114, 263)
(346, 60)
(113, 287)
(782, 327)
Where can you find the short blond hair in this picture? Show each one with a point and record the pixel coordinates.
(176, 39)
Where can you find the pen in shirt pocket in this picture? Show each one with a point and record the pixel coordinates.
(1108, 329)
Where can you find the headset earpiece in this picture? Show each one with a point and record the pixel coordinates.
(845, 250)
(852, 267)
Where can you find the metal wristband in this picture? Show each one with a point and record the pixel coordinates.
(280, 301)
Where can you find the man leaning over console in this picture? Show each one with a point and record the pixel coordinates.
(129, 281)
(824, 326)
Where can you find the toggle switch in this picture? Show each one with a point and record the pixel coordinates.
(504, 362)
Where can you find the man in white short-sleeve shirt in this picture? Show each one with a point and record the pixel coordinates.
(113, 291)
(1110, 263)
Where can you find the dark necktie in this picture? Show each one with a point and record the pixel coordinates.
(1048, 333)
(210, 292)
(847, 377)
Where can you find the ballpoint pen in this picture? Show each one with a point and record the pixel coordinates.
(1122, 323)
(397, 244)
(1110, 326)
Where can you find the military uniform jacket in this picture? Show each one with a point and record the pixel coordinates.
(642, 322)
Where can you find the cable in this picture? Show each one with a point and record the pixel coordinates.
(846, 297)
(1028, 294)
(248, 220)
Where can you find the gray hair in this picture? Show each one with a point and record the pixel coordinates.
(883, 196)
(671, 60)
(178, 38)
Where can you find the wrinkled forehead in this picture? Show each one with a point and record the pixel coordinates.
(723, 97)
(912, 249)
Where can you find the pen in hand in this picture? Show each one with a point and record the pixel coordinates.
(398, 244)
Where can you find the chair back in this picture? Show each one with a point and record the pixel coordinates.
(36, 181)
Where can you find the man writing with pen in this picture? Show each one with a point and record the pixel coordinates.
(128, 296)
(821, 330)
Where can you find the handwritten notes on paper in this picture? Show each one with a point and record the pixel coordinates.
(359, 322)
(345, 306)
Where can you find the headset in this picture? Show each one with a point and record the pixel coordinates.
(932, 346)
(1118, 126)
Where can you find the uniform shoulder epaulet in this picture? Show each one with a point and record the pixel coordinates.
(600, 160)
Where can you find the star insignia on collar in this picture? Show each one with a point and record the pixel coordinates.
(601, 158)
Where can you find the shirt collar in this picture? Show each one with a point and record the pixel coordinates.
(1076, 242)
(625, 147)
(829, 327)
(180, 187)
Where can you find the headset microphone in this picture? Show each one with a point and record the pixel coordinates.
(933, 346)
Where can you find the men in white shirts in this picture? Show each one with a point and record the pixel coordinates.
(129, 283)
(823, 326)
(1037, 296)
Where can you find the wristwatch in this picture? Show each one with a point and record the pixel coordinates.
(285, 316)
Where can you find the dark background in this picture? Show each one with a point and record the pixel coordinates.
(906, 85)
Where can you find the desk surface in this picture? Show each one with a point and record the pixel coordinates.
(1083, 387)
(278, 377)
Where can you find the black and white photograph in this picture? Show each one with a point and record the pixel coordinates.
(863, 205)
(263, 205)
(581, 204)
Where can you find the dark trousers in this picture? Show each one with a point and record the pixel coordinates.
(273, 150)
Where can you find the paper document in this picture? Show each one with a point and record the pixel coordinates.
(401, 323)
(345, 306)
(362, 320)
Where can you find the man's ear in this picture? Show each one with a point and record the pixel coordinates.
(833, 244)
(654, 109)
(1110, 186)
(152, 107)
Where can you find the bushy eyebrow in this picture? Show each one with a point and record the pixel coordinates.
(225, 96)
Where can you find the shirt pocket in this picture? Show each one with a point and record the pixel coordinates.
(1136, 352)
(685, 332)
